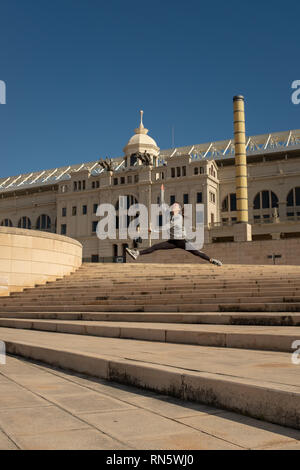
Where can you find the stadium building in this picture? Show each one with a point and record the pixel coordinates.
(65, 200)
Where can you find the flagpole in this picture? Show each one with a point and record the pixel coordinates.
(149, 214)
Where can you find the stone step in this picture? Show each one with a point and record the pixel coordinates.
(142, 295)
(161, 286)
(158, 307)
(229, 318)
(261, 384)
(150, 300)
(36, 293)
(267, 338)
(176, 277)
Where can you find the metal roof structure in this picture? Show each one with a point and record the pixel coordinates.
(255, 145)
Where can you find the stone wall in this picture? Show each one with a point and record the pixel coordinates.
(29, 257)
(252, 252)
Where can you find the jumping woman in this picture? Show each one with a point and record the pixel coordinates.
(177, 239)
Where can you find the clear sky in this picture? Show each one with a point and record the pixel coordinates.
(78, 72)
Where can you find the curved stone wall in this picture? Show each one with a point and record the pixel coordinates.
(30, 257)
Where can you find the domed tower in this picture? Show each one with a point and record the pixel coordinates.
(141, 144)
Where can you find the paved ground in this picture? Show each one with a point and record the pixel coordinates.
(44, 408)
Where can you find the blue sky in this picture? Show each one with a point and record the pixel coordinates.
(78, 72)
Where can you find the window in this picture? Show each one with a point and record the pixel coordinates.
(225, 204)
(201, 170)
(173, 172)
(75, 185)
(229, 203)
(115, 181)
(184, 171)
(94, 226)
(95, 207)
(178, 171)
(93, 184)
(95, 258)
(256, 202)
(185, 199)
(63, 229)
(63, 211)
(136, 178)
(196, 170)
(79, 185)
(129, 179)
(115, 251)
(233, 202)
(43, 222)
(293, 198)
(172, 199)
(74, 210)
(212, 197)
(133, 159)
(122, 180)
(124, 246)
(83, 184)
(199, 198)
(84, 209)
(212, 171)
(265, 200)
(6, 223)
(24, 222)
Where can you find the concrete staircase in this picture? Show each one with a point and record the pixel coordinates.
(220, 336)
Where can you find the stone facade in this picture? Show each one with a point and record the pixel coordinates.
(65, 200)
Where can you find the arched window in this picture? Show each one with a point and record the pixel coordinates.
(43, 222)
(293, 203)
(24, 222)
(265, 200)
(6, 223)
(264, 204)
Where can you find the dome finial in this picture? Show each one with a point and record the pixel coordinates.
(141, 123)
(141, 129)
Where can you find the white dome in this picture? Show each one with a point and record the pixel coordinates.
(141, 139)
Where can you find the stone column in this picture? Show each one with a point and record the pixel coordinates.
(242, 230)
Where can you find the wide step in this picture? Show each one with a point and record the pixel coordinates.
(239, 380)
(251, 337)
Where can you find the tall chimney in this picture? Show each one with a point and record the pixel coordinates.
(240, 159)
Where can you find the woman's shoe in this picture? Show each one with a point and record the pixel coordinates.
(216, 262)
(133, 253)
